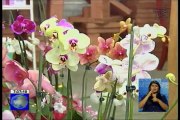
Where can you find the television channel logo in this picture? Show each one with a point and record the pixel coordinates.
(19, 100)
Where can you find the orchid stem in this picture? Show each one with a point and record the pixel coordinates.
(49, 76)
(112, 99)
(106, 106)
(114, 112)
(50, 104)
(85, 95)
(69, 96)
(100, 108)
(43, 9)
(131, 107)
(83, 87)
(70, 82)
(12, 17)
(33, 84)
(22, 57)
(174, 104)
(110, 102)
(109, 111)
(38, 111)
(129, 96)
(25, 55)
(56, 81)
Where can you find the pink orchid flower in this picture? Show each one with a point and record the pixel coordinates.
(5, 93)
(8, 115)
(14, 72)
(34, 76)
(21, 25)
(141, 64)
(105, 46)
(118, 52)
(19, 78)
(28, 86)
(27, 115)
(77, 104)
(91, 55)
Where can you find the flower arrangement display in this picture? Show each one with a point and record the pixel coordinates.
(120, 61)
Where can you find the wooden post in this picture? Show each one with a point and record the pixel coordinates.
(55, 8)
(100, 9)
(94, 38)
(172, 58)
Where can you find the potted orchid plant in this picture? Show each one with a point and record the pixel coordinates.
(119, 62)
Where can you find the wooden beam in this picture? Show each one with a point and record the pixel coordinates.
(149, 4)
(102, 30)
(108, 25)
(121, 7)
(80, 19)
(172, 58)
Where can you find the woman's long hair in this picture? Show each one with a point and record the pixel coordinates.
(158, 92)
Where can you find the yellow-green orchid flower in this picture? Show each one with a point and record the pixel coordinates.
(171, 77)
(161, 32)
(75, 42)
(58, 61)
(47, 24)
(54, 33)
(147, 31)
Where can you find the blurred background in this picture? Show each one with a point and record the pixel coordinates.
(98, 17)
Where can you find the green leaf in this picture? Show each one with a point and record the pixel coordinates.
(32, 106)
(45, 110)
(76, 116)
(32, 109)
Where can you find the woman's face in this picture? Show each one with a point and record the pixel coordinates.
(154, 88)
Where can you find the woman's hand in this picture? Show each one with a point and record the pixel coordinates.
(149, 94)
(155, 99)
(143, 102)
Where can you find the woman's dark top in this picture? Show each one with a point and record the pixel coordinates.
(151, 106)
